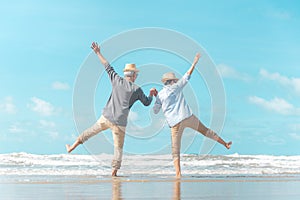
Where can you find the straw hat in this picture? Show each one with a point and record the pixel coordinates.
(168, 76)
(130, 67)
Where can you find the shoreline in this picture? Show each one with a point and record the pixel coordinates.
(150, 187)
(62, 179)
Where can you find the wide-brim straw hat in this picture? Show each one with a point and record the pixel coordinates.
(169, 76)
(130, 68)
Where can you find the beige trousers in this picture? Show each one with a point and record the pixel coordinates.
(118, 133)
(177, 130)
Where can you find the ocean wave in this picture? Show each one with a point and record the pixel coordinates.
(97, 165)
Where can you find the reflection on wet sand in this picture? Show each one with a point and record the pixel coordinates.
(116, 189)
(177, 190)
(116, 185)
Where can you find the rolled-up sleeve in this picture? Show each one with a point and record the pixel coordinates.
(110, 71)
(184, 80)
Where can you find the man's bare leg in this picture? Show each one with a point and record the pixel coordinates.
(177, 167)
(114, 172)
(71, 148)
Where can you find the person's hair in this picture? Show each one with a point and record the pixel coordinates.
(129, 73)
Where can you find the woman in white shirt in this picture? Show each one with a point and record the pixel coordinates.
(178, 113)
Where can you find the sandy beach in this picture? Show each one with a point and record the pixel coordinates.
(139, 187)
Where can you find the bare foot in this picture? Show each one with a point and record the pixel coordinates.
(71, 148)
(114, 173)
(68, 148)
(178, 175)
(228, 145)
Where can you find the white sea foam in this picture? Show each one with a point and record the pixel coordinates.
(88, 165)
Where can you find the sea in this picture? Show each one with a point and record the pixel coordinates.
(27, 167)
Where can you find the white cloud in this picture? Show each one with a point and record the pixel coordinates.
(133, 116)
(132, 127)
(295, 136)
(47, 124)
(60, 86)
(229, 72)
(274, 140)
(68, 137)
(279, 14)
(3, 137)
(41, 107)
(295, 127)
(53, 134)
(278, 105)
(150, 130)
(8, 106)
(15, 129)
(293, 83)
(21, 127)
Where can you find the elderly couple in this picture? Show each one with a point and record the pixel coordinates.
(125, 93)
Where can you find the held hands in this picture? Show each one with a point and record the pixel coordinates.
(153, 92)
(95, 47)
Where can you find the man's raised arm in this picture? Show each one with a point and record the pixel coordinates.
(109, 69)
(96, 49)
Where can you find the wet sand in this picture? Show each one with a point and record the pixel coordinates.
(139, 187)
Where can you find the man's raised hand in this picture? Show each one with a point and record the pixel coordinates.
(95, 47)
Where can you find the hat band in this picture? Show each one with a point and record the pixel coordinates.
(129, 73)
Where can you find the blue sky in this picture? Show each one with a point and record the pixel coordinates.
(254, 44)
